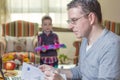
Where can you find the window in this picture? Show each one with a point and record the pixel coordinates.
(34, 10)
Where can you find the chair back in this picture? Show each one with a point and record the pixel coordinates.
(20, 28)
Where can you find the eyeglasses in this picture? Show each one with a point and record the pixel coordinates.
(74, 20)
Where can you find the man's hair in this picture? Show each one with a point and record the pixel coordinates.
(87, 7)
(46, 17)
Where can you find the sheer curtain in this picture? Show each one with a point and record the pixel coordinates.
(34, 10)
(3, 13)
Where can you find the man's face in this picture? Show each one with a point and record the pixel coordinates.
(47, 25)
(79, 22)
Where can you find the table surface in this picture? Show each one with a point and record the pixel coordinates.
(18, 77)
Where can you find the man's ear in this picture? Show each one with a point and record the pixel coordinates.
(92, 18)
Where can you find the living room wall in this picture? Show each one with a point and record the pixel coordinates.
(110, 10)
(67, 38)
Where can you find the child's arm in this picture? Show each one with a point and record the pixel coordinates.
(56, 39)
(39, 41)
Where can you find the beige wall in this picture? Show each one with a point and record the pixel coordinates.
(67, 38)
(110, 10)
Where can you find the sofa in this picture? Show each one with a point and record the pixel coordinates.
(19, 38)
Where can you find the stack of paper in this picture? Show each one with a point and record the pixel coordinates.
(30, 72)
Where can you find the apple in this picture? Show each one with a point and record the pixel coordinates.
(9, 65)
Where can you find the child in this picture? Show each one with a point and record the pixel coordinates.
(47, 37)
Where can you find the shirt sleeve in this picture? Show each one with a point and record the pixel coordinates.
(56, 39)
(76, 73)
(109, 68)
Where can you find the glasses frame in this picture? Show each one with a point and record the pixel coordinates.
(74, 20)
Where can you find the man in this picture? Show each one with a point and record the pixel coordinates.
(100, 48)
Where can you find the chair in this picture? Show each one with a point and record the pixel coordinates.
(19, 38)
(76, 44)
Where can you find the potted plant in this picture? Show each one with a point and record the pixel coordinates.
(63, 58)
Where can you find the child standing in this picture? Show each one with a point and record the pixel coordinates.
(47, 37)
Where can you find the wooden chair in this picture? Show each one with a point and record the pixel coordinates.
(76, 44)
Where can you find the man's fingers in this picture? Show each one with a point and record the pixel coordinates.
(57, 77)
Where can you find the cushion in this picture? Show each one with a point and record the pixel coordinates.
(19, 44)
(29, 43)
(9, 43)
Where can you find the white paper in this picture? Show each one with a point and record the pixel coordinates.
(30, 72)
(64, 76)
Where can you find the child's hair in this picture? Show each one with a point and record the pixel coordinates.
(46, 17)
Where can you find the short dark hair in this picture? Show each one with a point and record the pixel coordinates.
(46, 17)
(87, 7)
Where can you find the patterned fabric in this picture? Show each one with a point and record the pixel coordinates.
(19, 55)
(19, 44)
(112, 26)
(49, 60)
(20, 28)
(52, 61)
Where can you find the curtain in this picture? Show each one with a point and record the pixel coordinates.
(34, 10)
(3, 11)
(4, 14)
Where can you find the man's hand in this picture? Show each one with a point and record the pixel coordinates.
(57, 77)
(45, 67)
(50, 72)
